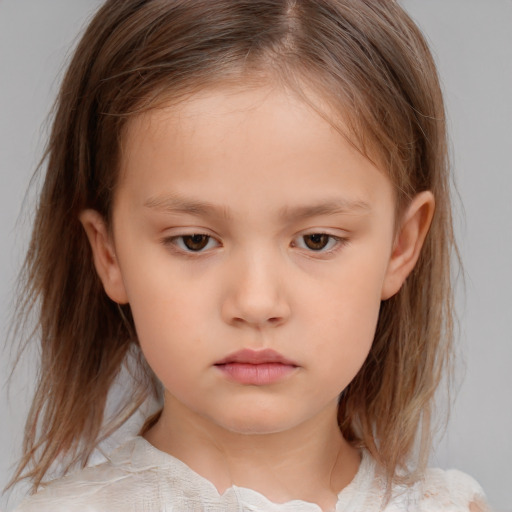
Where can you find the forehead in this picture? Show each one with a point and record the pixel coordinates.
(248, 139)
(255, 96)
(224, 104)
(261, 104)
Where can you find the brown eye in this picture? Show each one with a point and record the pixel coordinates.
(195, 242)
(317, 241)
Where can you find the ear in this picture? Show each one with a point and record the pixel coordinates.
(104, 255)
(409, 240)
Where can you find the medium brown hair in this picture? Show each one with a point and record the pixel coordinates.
(370, 64)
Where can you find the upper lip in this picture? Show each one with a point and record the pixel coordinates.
(249, 356)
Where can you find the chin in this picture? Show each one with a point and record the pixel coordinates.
(257, 423)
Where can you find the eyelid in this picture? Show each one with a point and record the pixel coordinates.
(340, 242)
(170, 241)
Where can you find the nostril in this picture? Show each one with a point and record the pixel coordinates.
(274, 321)
(255, 302)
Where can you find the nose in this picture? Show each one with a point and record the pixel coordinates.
(256, 292)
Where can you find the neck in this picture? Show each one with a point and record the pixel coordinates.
(310, 462)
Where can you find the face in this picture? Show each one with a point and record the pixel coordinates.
(254, 245)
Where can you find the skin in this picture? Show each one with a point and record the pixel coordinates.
(261, 280)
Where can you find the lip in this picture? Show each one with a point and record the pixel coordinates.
(256, 367)
(256, 357)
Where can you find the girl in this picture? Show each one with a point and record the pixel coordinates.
(249, 200)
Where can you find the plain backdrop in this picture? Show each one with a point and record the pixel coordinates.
(472, 42)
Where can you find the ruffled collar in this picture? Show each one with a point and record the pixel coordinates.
(138, 455)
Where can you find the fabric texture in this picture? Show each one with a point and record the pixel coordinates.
(139, 477)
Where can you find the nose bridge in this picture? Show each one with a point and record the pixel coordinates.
(257, 293)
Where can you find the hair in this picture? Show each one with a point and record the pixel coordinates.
(370, 63)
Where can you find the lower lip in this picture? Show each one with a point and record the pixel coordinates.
(256, 374)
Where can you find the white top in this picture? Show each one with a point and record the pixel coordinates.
(138, 477)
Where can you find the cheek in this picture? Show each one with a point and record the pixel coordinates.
(166, 310)
(160, 292)
(172, 342)
(345, 313)
(346, 341)
(165, 316)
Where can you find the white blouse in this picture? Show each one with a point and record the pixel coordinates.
(139, 477)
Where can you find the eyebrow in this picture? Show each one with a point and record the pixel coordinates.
(179, 204)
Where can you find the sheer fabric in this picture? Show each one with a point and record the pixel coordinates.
(139, 477)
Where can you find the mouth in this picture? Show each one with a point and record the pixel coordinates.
(256, 367)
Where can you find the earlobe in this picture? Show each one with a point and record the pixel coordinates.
(409, 240)
(104, 255)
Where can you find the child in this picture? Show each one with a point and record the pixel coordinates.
(251, 197)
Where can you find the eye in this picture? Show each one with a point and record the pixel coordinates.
(191, 243)
(319, 242)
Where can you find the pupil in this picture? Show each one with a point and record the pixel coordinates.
(317, 241)
(195, 242)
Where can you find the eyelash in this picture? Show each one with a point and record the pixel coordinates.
(171, 241)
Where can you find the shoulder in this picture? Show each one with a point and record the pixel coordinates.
(90, 489)
(119, 484)
(447, 490)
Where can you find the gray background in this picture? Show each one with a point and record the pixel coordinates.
(472, 41)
